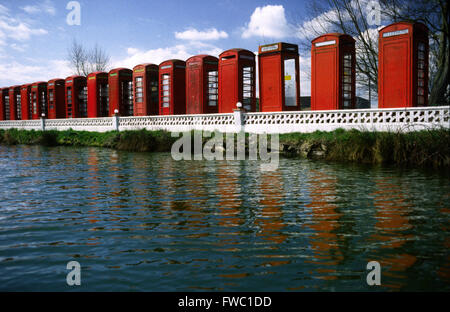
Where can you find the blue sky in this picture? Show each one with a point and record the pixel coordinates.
(35, 37)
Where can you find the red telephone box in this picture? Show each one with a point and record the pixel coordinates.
(14, 103)
(279, 86)
(333, 62)
(76, 97)
(56, 99)
(172, 87)
(39, 99)
(98, 98)
(202, 79)
(237, 80)
(403, 65)
(145, 97)
(121, 91)
(25, 99)
(4, 104)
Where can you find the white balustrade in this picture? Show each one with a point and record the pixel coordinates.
(396, 119)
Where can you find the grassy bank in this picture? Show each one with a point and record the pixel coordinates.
(429, 148)
(140, 141)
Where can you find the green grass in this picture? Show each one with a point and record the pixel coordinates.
(428, 148)
(420, 148)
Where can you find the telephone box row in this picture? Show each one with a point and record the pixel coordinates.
(206, 84)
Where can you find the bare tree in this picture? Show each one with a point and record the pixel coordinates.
(98, 59)
(84, 61)
(77, 58)
(350, 17)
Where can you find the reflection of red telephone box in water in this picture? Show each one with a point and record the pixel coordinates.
(98, 97)
(4, 104)
(236, 80)
(56, 99)
(202, 77)
(121, 91)
(145, 83)
(403, 65)
(14, 103)
(76, 97)
(39, 100)
(172, 87)
(333, 72)
(279, 87)
(25, 99)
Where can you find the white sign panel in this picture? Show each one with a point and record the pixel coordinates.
(325, 43)
(395, 33)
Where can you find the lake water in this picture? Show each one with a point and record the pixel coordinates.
(141, 221)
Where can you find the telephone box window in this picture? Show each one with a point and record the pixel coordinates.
(247, 87)
(19, 106)
(82, 100)
(127, 97)
(347, 81)
(213, 88)
(104, 100)
(30, 104)
(7, 113)
(51, 99)
(165, 90)
(43, 103)
(290, 83)
(138, 90)
(421, 74)
(69, 101)
(154, 89)
(34, 104)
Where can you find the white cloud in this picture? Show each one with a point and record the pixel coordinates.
(21, 73)
(14, 29)
(20, 31)
(195, 35)
(3, 10)
(45, 7)
(321, 24)
(157, 56)
(19, 47)
(268, 21)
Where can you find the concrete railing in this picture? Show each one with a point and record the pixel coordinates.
(397, 119)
